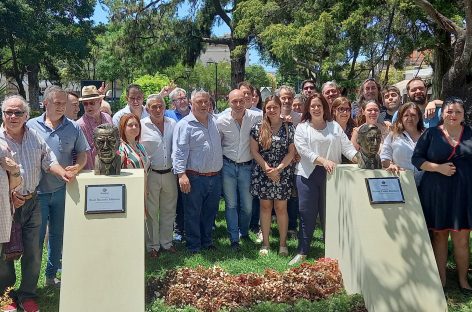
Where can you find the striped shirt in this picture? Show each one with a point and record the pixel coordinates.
(31, 154)
(88, 124)
(131, 158)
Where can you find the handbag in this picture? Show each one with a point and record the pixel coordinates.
(13, 250)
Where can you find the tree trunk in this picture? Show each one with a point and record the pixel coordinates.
(441, 61)
(238, 62)
(33, 85)
(17, 75)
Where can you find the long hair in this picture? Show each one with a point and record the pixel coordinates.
(265, 131)
(361, 117)
(398, 126)
(338, 102)
(306, 108)
(360, 95)
(452, 100)
(123, 121)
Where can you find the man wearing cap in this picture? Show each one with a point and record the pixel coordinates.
(33, 154)
(64, 137)
(91, 100)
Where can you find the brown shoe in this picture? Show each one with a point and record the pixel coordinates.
(153, 254)
(171, 249)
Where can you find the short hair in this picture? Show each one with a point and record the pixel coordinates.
(176, 92)
(123, 121)
(51, 90)
(246, 84)
(415, 79)
(300, 97)
(74, 94)
(304, 82)
(106, 126)
(154, 97)
(134, 86)
(361, 91)
(391, 89)
(306, 116)
(284, 87)
(331, 83)
(26, 107)
(200, 92)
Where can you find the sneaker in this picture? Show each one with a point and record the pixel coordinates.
(53, 282)
(264, 251)
(259, 238)
(29, 305)
(9, 308)
(283, 251)
(297, 259)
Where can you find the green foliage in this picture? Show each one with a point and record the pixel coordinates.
(149, 84)
(257, 76)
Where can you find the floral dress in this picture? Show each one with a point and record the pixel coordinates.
(261, 186)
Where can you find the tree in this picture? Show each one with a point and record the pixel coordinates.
(36, 34)
(457, 77)
(257, 76)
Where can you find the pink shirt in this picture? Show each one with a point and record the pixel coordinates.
(88, 124)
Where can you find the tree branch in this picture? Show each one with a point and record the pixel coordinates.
(226, 41)
(221, 13)
(438, 18)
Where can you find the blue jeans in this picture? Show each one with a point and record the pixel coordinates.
(238, 199)
(200, 208)
(52, 211)
(29, 216)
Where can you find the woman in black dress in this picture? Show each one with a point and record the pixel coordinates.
(272, 178)
(445, 154)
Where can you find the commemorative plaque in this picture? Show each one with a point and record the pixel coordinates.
(105, 198)
(384, 190)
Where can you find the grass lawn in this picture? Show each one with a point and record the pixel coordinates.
(247, 261)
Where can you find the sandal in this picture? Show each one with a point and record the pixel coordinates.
(283, 251)
(264, 251)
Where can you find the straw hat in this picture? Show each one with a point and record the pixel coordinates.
(90, 93)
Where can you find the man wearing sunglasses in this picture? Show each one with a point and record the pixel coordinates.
(65, 138)
(33, 154)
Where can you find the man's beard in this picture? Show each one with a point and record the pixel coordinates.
(418, 100)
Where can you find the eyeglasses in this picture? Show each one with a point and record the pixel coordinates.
(16, 113)
(343, 110)
(309, 88)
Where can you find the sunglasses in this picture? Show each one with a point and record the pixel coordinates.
(16, 113)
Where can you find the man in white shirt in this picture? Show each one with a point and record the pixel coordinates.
(234, 128)
(156, 137)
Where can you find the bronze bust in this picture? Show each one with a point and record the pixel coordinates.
(107, 141)
(369, 138)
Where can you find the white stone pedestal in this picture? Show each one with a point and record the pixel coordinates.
(103, 255)
(384, 250)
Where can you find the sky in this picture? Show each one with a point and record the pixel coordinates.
(101, 16)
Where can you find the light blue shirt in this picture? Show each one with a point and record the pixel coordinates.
(428, 122)
(126, 110)
(63, 140)
(197, 147)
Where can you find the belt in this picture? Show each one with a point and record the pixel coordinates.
(29, 195)
(203, 174)
(246, 163)
(162, 171)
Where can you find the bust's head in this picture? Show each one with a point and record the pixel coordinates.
(107, 142)
(369, 138)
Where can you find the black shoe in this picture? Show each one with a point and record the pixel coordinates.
(465, 291)
(235, 247)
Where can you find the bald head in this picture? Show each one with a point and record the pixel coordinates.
(237, 102)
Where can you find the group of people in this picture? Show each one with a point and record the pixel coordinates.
(262, 156)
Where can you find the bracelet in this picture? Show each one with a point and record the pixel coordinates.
(16, 174)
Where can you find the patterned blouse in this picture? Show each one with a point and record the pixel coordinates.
(132, 159)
